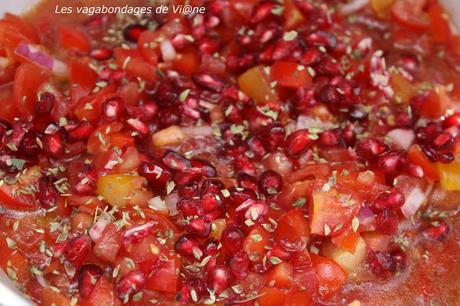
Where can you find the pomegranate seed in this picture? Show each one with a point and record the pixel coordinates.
(256, 145)
(391, 162)
(452, 120)
(270, 182)
(369, 149)
(247, 181)
(263, 11)
(415, 170)
(239, 264)
(232, 239)
(311, 57)
(298, 142)
(211, 247)
(112, 109)
(132, 32)
(157, 175)
(209, 82)
(380, 264)
(240, 195)
(47, 195)
(446, 157)
(192, 291)
(219, 279)
(443, 140)
(101, 54)
(389, 200)
(188, 247)
(77, 249)
(176, 161)
(200, 227)
(348, 135)
(169, 116)
(53, 144)
(29, 146)
(243, 164)
(85, 183)
(328, 139)
(387, 222)
(130, 283)
(87, 279)
(13, 137)
(139, 232)
(275, 137)
(322, 38)
(81, 131)
(190, 207)
(138, 126)
(45, 104)
(438, 231)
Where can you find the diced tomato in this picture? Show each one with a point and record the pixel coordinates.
(310, 171)
(331, 210)
(109, 244)
(89, 107)
(149, 47)
(289, 74)
(291, 193)
(73, 38)
(331, 276)
(416, 156)
(107, 136)
(255, 83)
(439, 24)
(134, 64)
(410, 13)
(377, 241)
(165, 279)
(11, 197)
(382, 8)
(123, 190)
(8, 111)
(13, 30)
(103, 294)
(187, 62)
(293, 17)
(281, 275)
(449, 175)
(52, 297)
(293, 228)
(346, 240)
(299, 298)
(435, 103)
(27, 80)
(404, 90)
(82, 75)
(255, 242)
(271, 297)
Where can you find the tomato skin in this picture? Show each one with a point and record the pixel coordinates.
(187, 62)
(165, 278)
(134, 64)
(289, 74)
(439, 26)
(20, 202)
(293, 228)
(27, 80)
(271, 297)
(299, 298)
(256, 248)
(331, 276)
(72, 38)
(81, 74)
(147, 46)
(409, 13)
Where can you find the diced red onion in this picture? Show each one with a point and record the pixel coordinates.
(171, 203)
(95, 232)
(307, 122)
(366, 217)
(414, 200)
(40, 58)
(352, 6)
(402, 138)
(167, 50)
(158, 204)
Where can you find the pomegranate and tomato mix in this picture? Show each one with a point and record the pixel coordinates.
(261, 153)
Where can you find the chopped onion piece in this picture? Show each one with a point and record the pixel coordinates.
(171, 203)
(95, 232)
(158, 204)
(352, 6)
(402, 138)
(196, 131)
(167, 50)
(414, 200)
(39, 57)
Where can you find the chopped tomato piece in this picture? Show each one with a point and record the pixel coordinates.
(103, 294)
(346, 240)
(382, 8)
(439, 24)
(51, 296)
(122, 190)
(187, 62)
(281, 275)
(27, 80)
(271, 297)
(290, 74)
(72, 38)
(331, 276)
(108, 245)
(449, 175)
(165, 279)
(299, 298)
(416, 155)
(256, 85)
(410, 13)
(11, 197)
(293, 228)
(134, 64)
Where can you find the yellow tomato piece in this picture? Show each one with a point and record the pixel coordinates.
(348, 261)
(255, 84)
(449, 175)
(382, 8)
(123, 190)
(404, 90)
(170, 136)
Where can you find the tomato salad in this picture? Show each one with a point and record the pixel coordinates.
(262, 153)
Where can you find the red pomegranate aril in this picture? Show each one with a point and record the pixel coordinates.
(275, 136)
(211, 247)
(87, 279)
(176, 161)
(203, 167)
(285, 49)
(256, 145)
(132, 32)
(391, 162)
(232, 239)
(437, 231)
(298, 142)
(29, 145)
(200, 227)
(192, 291)
(130, 283)
(219, 279)
(137, 233)
(328, 139)
(399, 259)
(190, 207)
(321, 38)
(188, 247)
(380, 263)
(452, 120)
(112, 109)
(415, 170)
(82, 131)
(239, 264)
(445, 157)
(270, 182)
(157, 175)
(264, 11)
(443, 140)
(247, 181)
(243, 164)
(47, 195)
(389, 200)
(239, 195)
(138, 126)
(13, 137)
(430, 153)
(387, 222)
(369, 149)
(209, 82)
(77, 249)
(53, 144)
(45, 103)
(101, 54)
